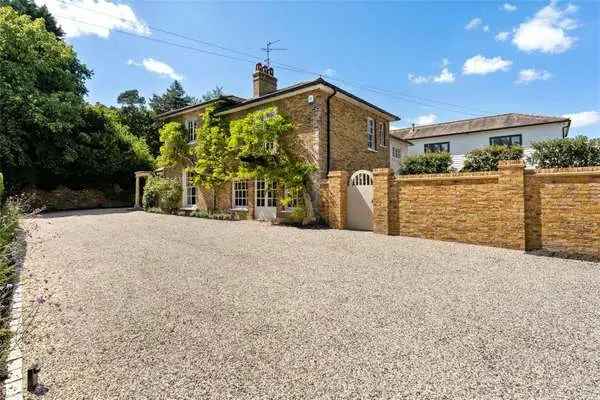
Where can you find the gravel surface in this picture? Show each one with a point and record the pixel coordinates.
(147, 306)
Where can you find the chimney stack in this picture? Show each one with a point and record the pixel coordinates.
(264, 80)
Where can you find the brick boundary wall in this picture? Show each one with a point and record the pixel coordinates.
(551, 209)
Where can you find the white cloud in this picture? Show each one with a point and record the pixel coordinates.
(330, 72)
(530, 74)
(157, 67)
(444, 77)
(509, 7)
(547, 31)
(426, 119)
(502, 36)
(417, 79)
(486, 28)
(584, 118)
(94, 17)
(474, 24)
(479, 65)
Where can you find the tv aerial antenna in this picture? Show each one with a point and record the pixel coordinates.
(268, 49)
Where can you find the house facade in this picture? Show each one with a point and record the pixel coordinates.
(332, 129)
(460, 137)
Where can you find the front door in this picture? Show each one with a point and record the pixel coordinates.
(266, 200)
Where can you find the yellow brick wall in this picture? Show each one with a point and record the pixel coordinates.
(563, 210)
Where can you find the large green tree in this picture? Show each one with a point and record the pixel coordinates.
(140, 120)
(42, 84)
(28, 7)
(173, 98)
(213, 94)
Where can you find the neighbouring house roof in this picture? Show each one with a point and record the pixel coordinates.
(237, 102)
(489, 123)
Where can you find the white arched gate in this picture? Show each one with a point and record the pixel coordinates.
(360, 201)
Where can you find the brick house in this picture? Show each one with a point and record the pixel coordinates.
(333, 129)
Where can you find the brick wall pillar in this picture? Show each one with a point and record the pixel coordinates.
(511, 180)
(337, 204)
(385, 202)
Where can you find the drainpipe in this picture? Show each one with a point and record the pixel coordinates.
(328, 129)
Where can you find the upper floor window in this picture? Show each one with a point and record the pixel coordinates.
(381, 134)
(240, 194)
(370, 134)
(396, 152)
(508, 140)
(437, 147)
(191, 125)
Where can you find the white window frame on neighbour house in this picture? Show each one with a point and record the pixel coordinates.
(239, 191)
(191, 193)
(396, 152)
(191, 125)
(371, 134)
(381, 132)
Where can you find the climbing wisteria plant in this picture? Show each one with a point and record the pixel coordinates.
(262, 142)
(257, 145)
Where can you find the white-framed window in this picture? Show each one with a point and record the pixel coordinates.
(191, 125)
(381, 131)
(190, 190)
(396, 152)
(240, 194)
(370, 134)
(294, 195)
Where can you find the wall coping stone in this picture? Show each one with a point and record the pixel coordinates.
(450, 176)
(566, 171)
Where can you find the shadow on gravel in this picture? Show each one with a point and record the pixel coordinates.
(90, 211)
(564, 255)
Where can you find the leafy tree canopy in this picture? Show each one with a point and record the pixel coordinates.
(28, 7)
(42, 84)
(174, 98)
(140, 120)
(131, 98)
(213, 94)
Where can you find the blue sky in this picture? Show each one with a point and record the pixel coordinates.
(424, 61)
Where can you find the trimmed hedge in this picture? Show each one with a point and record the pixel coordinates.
(164, 193)
(568, 152)
(428, 163)
(487, 158)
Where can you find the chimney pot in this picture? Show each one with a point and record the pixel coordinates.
(263, 79)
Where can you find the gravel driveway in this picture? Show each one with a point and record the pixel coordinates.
(147, 306)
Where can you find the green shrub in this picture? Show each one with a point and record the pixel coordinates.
(199, 214)
(162, 192)
(428, 163)
(568, 152)
(487, 158)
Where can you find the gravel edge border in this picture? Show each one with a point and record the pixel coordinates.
(13, 384)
